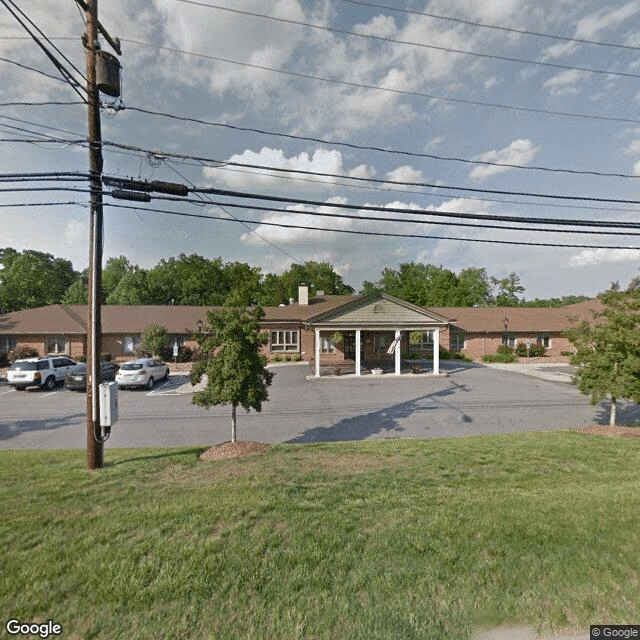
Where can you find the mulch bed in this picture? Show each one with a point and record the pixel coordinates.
(620, 432)
(237, 449)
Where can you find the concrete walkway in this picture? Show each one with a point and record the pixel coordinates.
(554, 371)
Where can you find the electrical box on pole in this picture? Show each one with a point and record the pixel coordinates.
(108, 74)
(108, 404)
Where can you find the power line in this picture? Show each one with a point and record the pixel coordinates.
(414, 44)
(431, 96)
(350, 145)
(413, 211)
(431, 214)
(230, 214)
(44, 103)
(42, 73)
(375, 233)
(68, 76)
(496, 27)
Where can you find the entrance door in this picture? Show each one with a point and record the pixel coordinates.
(350, 346)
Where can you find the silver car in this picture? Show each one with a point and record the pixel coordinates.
(143, 372)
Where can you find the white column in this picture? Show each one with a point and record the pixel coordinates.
(317, 354)
(357, 352)
(436, 352)
(398, 352)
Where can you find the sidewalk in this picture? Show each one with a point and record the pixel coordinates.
(553, 371)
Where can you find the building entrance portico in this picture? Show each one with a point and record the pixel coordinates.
(373, 331)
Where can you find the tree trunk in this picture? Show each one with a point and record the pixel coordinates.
(612, 415)
(233, 423)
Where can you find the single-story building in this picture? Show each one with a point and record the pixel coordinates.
(328, 331)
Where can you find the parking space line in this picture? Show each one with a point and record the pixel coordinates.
(158, 388)
(6, 391)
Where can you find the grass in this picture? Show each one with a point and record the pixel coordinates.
(375, 539)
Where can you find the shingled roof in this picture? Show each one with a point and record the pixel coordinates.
(131, 319)
(490, 319)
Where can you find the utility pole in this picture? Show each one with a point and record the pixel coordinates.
(95, 439)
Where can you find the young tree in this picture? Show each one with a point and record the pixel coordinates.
(608, 350)
(154, 339)
(235, 369)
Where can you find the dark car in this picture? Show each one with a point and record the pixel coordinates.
(77, 380)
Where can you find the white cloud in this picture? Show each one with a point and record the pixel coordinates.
(405, 173)
(74, 232)
(564, 82)
(363, 171)
(590, 257)
(634, 148)
(636, 169)
(321, 161)
(519, 152)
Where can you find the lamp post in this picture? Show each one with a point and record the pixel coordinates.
(505, 340)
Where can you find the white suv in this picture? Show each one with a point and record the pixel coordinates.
(143, 372)
(40, 372)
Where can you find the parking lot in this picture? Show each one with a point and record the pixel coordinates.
(473, 399)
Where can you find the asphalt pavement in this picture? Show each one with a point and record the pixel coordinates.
(472, 400)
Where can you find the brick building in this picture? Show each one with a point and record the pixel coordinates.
(332, 331)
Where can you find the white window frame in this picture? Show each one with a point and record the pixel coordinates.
(55, 342)
(131, 343)
(425, 344)
(510, 339)
(326, 344)
(543, 339)
(455, 342)
(285, 340)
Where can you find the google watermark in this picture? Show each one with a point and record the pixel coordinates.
(40, 629)
(626, 631)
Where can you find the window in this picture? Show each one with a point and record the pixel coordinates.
(326, 344)
(130, 344)
(176, 339)
(426, 342)
(509, 339)
(55, 344)
(284, 341)
(457, 340)
(8, 343)
(543, 340)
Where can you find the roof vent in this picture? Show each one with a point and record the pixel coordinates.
(379, 308)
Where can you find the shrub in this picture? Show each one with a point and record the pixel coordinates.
(185, 354)
(4, 359)
(154, 339)
(276, 357)
(412, 355)
(567, 353)
(296, 358)
(81, 359)
(21, 352)
(505, 349)
(105, 357)
(535, 351)
(287, 358)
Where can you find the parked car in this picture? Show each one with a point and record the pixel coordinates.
(40, 372)
(77, 380)
(143, 372)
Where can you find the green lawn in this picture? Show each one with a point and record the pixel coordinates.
(389, 539)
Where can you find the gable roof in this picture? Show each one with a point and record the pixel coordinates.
(379, 309)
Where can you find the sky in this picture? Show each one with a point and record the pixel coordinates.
(448, 94)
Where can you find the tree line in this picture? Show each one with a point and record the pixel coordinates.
(32, 279)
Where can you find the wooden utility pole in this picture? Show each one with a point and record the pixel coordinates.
(95, 447)
(95, 438)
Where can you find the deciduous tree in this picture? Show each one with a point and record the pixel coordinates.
(608, 350)
(235, 369)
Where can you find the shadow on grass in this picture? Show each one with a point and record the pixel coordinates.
(196, 451)
(385, 420)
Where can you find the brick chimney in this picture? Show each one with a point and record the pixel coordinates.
(303, 294)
